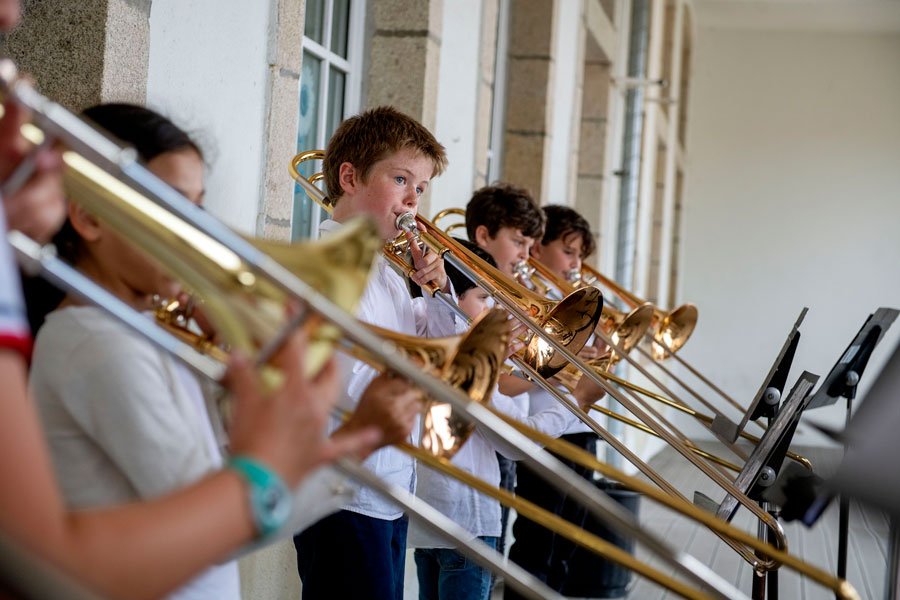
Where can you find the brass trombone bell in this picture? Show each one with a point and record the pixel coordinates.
(469, 362)
(671, 329)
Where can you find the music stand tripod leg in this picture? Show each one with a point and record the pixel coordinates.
(892, 579)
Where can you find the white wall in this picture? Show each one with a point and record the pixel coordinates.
(207, 72)
(792, 199)
(457, 103)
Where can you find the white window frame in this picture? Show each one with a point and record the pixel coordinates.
(352, 66)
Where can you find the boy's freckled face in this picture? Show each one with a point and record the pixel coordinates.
(561, 255)
(507, 248)
(393, 187)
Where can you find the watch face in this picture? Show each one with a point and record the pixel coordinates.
(272, 507)
(271, 498)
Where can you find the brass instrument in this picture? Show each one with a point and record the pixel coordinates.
(627, 329)
(530, 308)
(671, 328)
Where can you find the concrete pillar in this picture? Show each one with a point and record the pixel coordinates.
(593, 129)
(528, 97)
(281, 117)
(404, 53)
(86, 52)
(405, 60)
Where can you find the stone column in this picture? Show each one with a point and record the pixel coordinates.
(593, 130)
(528, 97)
(284, 57)
(405, 59)
(86, 52)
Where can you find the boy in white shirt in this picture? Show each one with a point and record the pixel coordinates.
(377, 163)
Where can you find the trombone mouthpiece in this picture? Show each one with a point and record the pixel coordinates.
(406, 222)
(573, 275)
(523, 272)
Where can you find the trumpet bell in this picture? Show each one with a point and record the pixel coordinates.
(673, 330)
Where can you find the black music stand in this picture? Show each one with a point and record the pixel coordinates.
(871, 437)
(765, 403)
(842, 382)
(762, 467)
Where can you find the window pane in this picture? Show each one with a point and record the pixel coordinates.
(340, 22)
(315, 16)
(336, 82)
(310, 89)
(307, 136)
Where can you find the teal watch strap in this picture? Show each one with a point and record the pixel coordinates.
(270, 500)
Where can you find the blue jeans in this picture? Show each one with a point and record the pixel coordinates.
(446, 574)
(348, 555)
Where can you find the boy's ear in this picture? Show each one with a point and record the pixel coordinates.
(84, 223)
(482, 237)
(347, 176)
(536, 250)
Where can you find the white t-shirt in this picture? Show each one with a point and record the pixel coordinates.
(121, 423)
(126, 421)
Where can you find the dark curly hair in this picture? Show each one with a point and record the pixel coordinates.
(562, 222)
(150, 134)
(504, 205)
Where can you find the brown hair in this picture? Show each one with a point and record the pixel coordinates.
(504, 205)
(366, 138)
(563, 221)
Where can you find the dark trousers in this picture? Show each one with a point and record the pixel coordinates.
(508, 483)
(539, 551)
(348, 555)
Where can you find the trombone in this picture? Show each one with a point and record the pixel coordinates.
(627, 329)
(528, 306)
(220, 265)
(671, 332)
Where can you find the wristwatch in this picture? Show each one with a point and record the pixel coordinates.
(270, 500)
